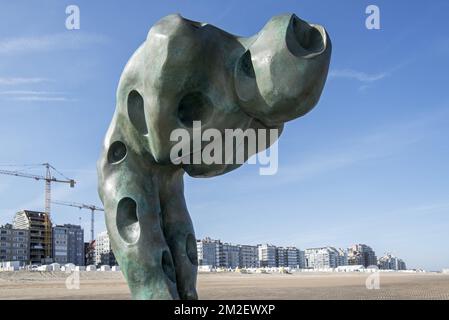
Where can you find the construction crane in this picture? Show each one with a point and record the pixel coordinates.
(92, 209)
(49, 178)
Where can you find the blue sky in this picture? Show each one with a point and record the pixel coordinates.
(368, 165)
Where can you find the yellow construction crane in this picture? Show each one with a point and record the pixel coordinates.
(92, 209)
(49, 178)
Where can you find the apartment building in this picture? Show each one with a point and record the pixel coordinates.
(89, 253)
(14, 245)
(361, 254)
(342, 256)
(209, 252)
(68, 244)
(321, 258)
(103, 250)
(248, 256)
(38, 225)
(267, 255)
(294, 258)
(281, 257)
(229, 256)
(390, 262)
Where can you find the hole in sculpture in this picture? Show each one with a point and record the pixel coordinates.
(117, 152)
(168, 267)
(246, 65)
(194, 106)
(127, 222)
(307, 36)
(136, 112)
(191, 249)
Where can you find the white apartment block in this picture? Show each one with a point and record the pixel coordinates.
(325, 258)
(103, 250)
(321, 258)
(267, 255)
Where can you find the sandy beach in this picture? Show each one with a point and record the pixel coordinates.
(302, 286)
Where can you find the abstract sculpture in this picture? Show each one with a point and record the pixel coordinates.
(188, 71)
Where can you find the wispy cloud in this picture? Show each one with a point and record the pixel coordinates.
(59, 41)
(29, 92)
(21, 81)
(367, 78)
(40, 98)
(30, 95)
(357, 75)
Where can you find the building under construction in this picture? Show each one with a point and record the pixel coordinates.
(39, 226)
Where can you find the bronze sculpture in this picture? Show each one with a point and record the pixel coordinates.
(188, 71)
